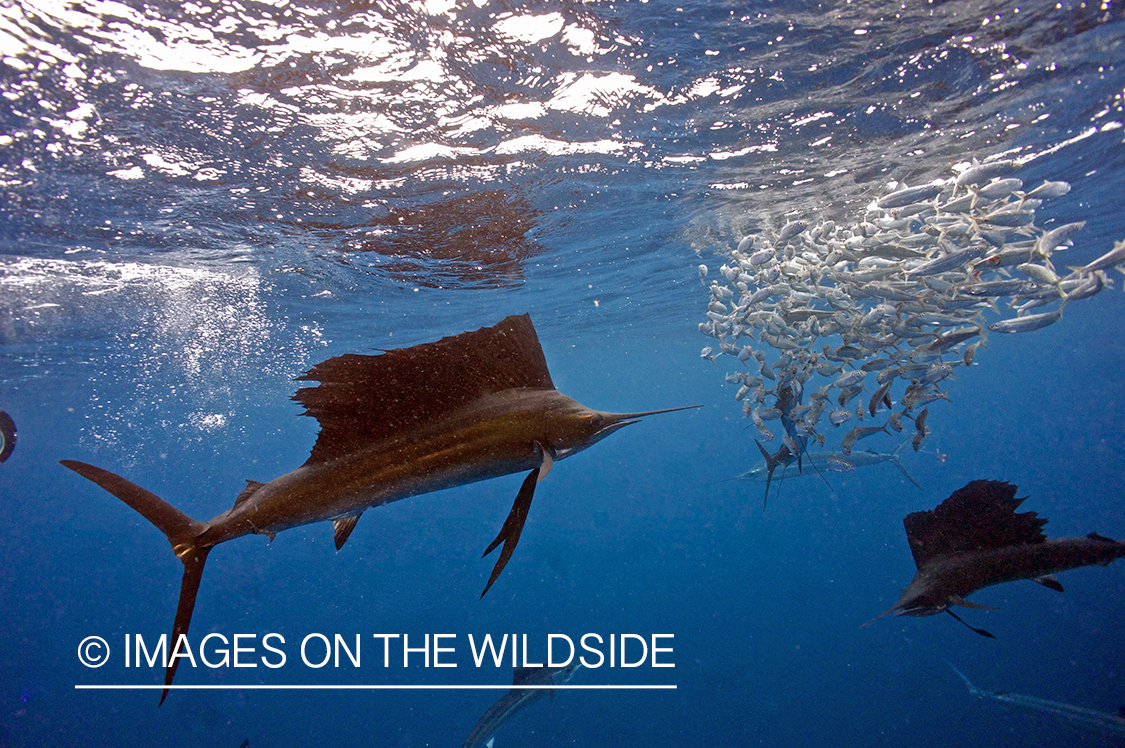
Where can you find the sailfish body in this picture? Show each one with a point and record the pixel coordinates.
(975, 539)
(519, 698)
(949, 579)
(488, 438)
(409, 421)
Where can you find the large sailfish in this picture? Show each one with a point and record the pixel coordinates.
(409, 421)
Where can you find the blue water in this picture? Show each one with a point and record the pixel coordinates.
(202, 200)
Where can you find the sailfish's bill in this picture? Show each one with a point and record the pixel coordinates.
(975, 539)
(409, 421)
(7, 436)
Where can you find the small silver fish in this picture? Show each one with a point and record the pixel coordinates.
(761, 257)
(1050, 190)
(1026, 324)
(1055, 238)
(910, 195)
(920, 421)
(999, 188)
(970, 353)
(825, 369)
(763, 430)
(1115, 256)
(850, 379)
(949, 261)
(791, 229)
(983, 172)
(859, 432)
(876, 364)
(937, 372)
(880, 396)
(1084, 286)
(894, 420)
(1039, 273)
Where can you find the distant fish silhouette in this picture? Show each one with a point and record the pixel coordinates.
(515, 700)
(974, 539)
(781, 459)
(1089, 719)
(7, 436)
(465, 408)
(833, 462)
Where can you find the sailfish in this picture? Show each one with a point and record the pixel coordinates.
(405, 422)
(515, 700)
(975, 539)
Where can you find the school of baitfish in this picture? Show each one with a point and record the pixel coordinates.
(884, 311)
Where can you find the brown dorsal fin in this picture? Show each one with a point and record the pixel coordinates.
(252, 487)
(362, 399)
(342, 529)
(980, 516)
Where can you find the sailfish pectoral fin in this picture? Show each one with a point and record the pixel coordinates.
(513, 526)
(342, 529)
(1050, 583)
(982, 632)
(548, 461)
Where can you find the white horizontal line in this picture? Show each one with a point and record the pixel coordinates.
(379, 687)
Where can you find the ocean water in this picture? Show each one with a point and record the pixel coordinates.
(202, 200)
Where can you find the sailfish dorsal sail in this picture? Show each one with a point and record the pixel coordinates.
(362, 399)
(980, 516)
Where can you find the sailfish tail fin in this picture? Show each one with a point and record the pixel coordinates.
(902, 468)
(181, 531)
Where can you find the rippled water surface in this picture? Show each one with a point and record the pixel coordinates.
(201, 200)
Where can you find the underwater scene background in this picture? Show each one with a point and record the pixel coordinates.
(202, 200)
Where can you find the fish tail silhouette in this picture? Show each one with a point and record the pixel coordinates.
(902, 468)
(181, 531)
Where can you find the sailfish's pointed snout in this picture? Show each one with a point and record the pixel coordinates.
(619, 420)
(585, 427)
(615, 421)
